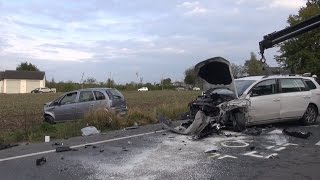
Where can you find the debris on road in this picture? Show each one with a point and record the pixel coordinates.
(101, 150)
(135, 126)
(253, 131)
(129, 142)
(124, 149)
(57, 144)
(211, 150)
(63, 149)
(90, 130)
(6, 146)
(41, 161)
(298, 134)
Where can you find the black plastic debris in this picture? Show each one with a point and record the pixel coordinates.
(87, 145)
(63, 149)
(253, 131)
(164, 134)
(57, 144)
(252, 148)
(131, 127)
(6, 146)
(212, 150)
(101, 150)
(93, 147)
(124, 149)
(298, 134)
(41, 161)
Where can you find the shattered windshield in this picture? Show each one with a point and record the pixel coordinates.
(242, 85)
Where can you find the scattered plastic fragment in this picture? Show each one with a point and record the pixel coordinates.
(41, 161)
(298, 134)
(90, 130)
(211, 150)
(131, 127)
(63, 149)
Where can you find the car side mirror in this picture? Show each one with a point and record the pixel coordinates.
(254, 92)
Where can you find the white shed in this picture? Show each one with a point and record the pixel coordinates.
(21, 81)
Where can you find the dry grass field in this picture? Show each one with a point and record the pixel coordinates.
(21, 114)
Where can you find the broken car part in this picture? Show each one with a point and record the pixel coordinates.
(298, 134)
(41, 161)
(63, 149)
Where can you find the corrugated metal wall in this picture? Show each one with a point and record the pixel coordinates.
(13, 86)
(32, 84)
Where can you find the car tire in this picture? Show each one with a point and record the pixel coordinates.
(49, 119)
(238, 121)
(310, 116)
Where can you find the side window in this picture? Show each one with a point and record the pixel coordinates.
(292, 85)
(99, 95)
(68, 98)
(264, 88)
(86, 96)
(310, 84)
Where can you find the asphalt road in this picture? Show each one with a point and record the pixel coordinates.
(152, 153)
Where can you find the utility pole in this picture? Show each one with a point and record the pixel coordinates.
(81, 81)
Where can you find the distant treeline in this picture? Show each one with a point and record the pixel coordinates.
(70, 86)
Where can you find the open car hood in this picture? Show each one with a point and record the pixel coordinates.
(216, 73)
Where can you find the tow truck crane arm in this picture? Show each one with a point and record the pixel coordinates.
(290, 32)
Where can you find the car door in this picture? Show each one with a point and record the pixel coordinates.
(85, 104)
(264, 102)
(65, 108)
(295, 97)
(101, 101)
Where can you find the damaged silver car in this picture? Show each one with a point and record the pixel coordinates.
(247, 101)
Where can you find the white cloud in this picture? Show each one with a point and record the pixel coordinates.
(265, 4)
(193, 8)
(289, 4)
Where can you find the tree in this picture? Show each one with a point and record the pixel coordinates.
(25, 66)
(301, 54)
(190, 76)
(166, 82)
(237, 70)
(90, 80)
(110, 83)
(253, 66)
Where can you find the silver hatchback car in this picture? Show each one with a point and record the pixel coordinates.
(74, 104)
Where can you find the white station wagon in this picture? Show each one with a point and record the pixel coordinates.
(280, 98)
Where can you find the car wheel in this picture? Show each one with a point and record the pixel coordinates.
(310, 116)
(238, 121)
(49, 119)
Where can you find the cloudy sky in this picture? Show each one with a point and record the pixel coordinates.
(121, 37)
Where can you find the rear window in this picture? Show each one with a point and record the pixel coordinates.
(86, 96)
(114, 94)
(310, 84)
(99, 95)
(292, 85)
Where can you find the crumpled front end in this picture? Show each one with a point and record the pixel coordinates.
(216, 107)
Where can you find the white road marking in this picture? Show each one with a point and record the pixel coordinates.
(80, 145)
(252, 153)
(213, 155)
(280, 149)
(276, 131)
(227, 156)
(318, 143)
(271, 155)
(241, 144)
(290, 144)
(270, 147)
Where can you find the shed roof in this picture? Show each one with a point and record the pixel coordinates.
(32, 75)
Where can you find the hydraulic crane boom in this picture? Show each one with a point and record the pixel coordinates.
(279, 36)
